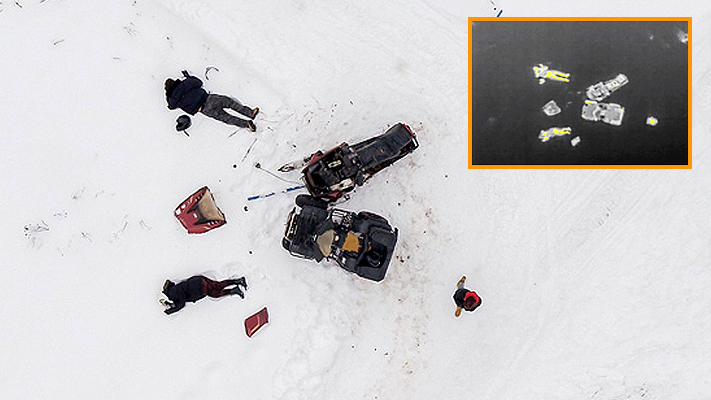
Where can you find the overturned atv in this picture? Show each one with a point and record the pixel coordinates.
(361, 243)
(331, 174)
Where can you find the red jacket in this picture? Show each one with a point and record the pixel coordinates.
(462, 294)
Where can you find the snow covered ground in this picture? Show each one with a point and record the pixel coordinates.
(595, 283)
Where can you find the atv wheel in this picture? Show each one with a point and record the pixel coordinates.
(373, 217)
(303, 200)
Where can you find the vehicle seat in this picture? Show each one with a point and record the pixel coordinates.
(324, 241)
(351, 243)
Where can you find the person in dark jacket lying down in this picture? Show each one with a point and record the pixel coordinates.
(189, 96)
(175, 295)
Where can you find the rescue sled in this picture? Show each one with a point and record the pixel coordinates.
(256, 321)
(199, 213)
(331, 174)
(361, 243)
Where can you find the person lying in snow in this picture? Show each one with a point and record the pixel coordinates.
(189, 96)
(195, 288)
(464, 298)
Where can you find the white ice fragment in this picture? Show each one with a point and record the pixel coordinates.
(575, 141)
(551, 108)
(652, 121)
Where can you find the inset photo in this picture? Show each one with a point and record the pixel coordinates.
(579, 93)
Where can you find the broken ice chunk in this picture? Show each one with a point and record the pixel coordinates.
(575, 141)
(652, 121)
(551, 108)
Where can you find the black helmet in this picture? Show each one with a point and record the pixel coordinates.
(183, 123)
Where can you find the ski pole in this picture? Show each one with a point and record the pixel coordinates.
(259, 167)
(264, 196)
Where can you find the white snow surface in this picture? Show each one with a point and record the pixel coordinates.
(595, 283)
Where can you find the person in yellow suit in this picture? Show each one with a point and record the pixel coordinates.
(544, 72)
(553, 132)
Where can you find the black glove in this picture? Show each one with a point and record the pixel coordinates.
(175, 308)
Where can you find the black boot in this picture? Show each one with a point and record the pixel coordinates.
(243, 282)
(237, 291)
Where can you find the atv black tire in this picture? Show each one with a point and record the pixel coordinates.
(371, 216)
(303, 200)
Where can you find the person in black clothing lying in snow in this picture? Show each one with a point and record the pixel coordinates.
(189, 96)
(465, 298)
(195, 288)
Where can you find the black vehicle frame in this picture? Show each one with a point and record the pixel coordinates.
(361, 243)
(331, 174)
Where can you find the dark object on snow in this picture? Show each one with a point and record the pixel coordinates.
(199, 213)
(174, 296)
(183, 123)
(186, 94)
(208, 69)
(189, 96)
(256, 321)
(361, 243)
(330, 175)
(464, 298)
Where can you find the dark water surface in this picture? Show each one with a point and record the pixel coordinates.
(507, 98)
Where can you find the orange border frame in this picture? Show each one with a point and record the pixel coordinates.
(469, 101)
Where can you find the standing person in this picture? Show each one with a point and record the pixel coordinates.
(465, 298)
(189, 96)
(175, 295)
